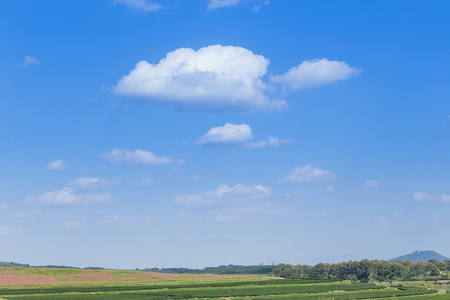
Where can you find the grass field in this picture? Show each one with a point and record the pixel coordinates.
(72, 284)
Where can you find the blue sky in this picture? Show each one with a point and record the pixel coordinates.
(138, 133)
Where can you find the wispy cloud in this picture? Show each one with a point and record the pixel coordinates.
(144, 5)
(66, 196)
(137, 157)
(270, 142)
(254, 4)
(5, 230)
(56, 165)
(29, 61)
(426, 197)
(372, 183)
(95, 182)
(214, 4)
(224, 193)
(308, 173)
(314, 73)
(3, 206)
(237, 135)
(420, 197)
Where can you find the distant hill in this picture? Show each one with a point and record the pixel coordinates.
(422, 256)
(12, 264)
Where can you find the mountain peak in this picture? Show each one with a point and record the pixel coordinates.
(422, 255)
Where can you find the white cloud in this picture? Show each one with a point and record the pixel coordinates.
(29, 61)
(419, 197)
(223, 3)
(308, 173)
(149, 219)
(85, 182)
(138, 157)
(56, 165)
(315, 73)
(94, 182)
(330, 188)
(372, 183)
(227, 134)
(444, 198)
(397, 214)
(68, 195)
(233, 134)
(4, 230)
(270, 142)
(21, 213)
(256, 4)
(214, 77)
(3, 206)
(224, 193)
(144, 5)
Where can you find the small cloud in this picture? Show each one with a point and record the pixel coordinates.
(3, 206)
(314, 73)
(143, 5)
(445, 198)
(237, 135)
(149, 219)
(29, 61)
(224, 193)
(397, 214)
(56, 165)
(330, 189)
(137, 157)
(4, 230)
(308, 173)
(85, 182)
(256, 4)
(421, 197)
(372, 183)
(226, 135)
(21, 214)
(114, 219)
(270, 142)
(74, 224)
(214, 4)
(68, 195)
(380, 221)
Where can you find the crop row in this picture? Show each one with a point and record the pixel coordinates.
(225, 291)
(372, 294)
(367, 294)
(120, 288)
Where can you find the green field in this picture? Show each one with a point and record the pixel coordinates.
(70, 284)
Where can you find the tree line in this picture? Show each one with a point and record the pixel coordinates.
(370, 270)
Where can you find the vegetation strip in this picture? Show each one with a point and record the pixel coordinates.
(103, 288)
(244, 291)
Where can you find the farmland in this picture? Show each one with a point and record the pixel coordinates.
(71, 284)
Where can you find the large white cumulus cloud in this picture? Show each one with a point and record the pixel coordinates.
(215, 76)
